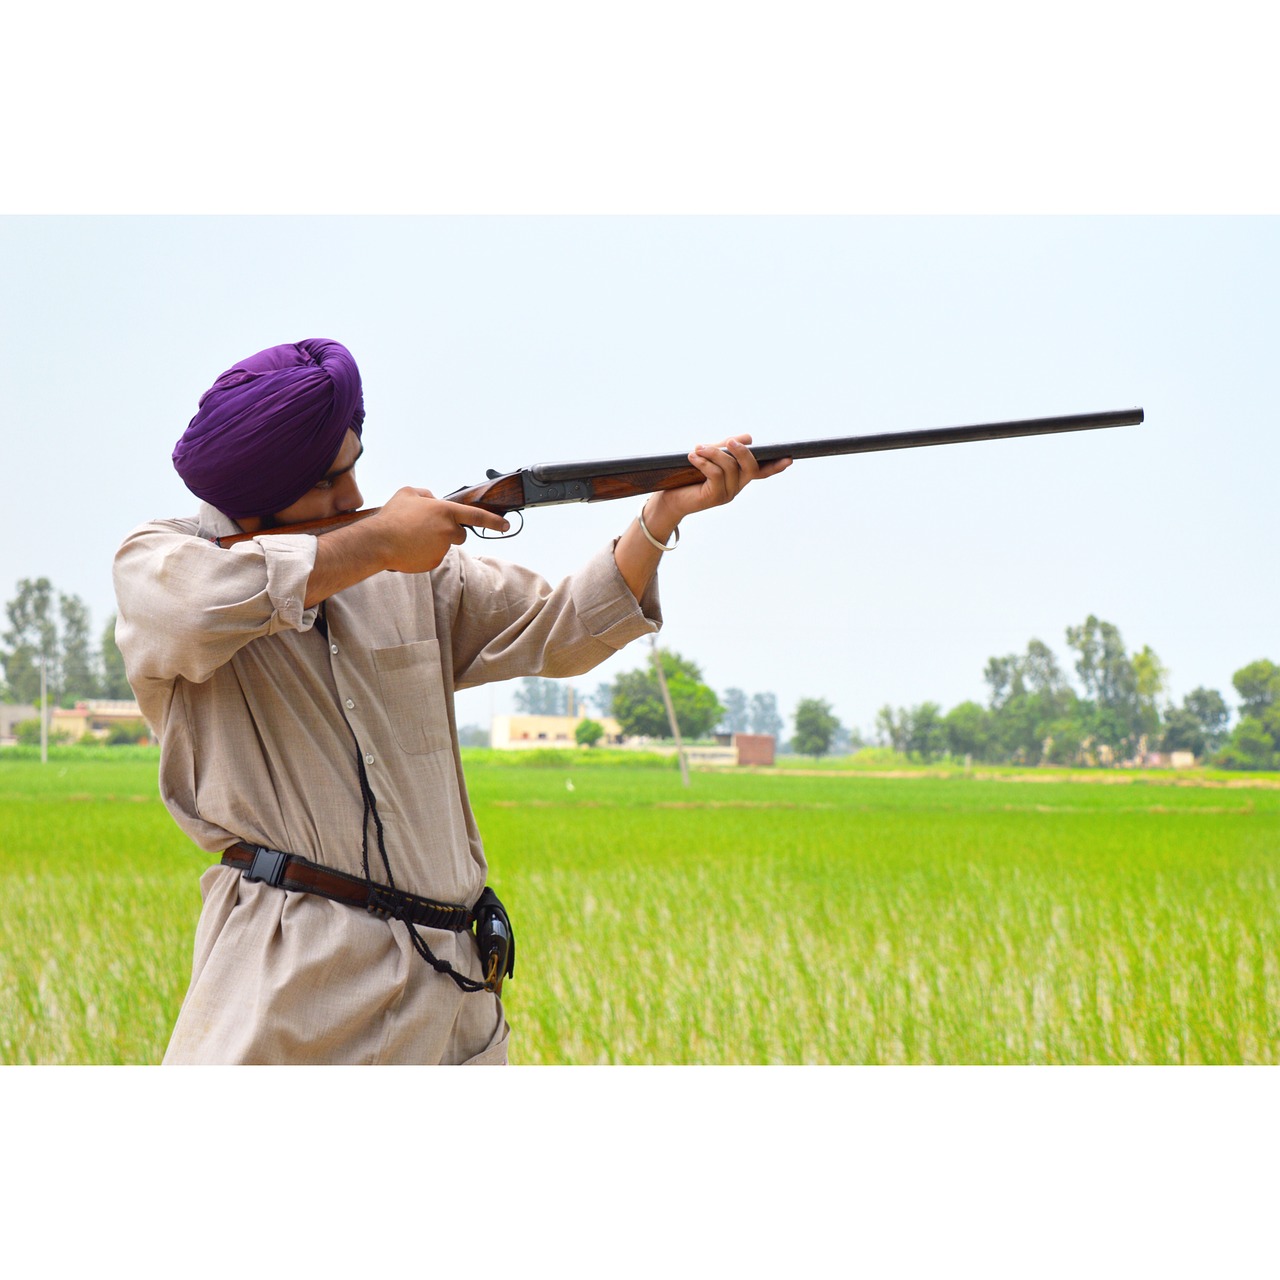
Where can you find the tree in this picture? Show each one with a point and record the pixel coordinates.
(1258, 685)
(1040, 669)
(815, 727)
(32, 635)
(602, 699)
(1029, 694)
(892, 728)
(639, 708)
(115, 684)
(1021, 728)
(922, 731)
(27, 733)
(1250, 747)
(1182, 732)
(128, 732)
(1209, 707)
(1065, 741)
(925, 732)
(541, 697)
(737, 714)
(759, 715)
(968, 730)
(1123, 689)
(1004, 678)
(588, 733)
(79, 665)
(1150, 678)
(1255, 742)
(1198, 726)
(764, 715)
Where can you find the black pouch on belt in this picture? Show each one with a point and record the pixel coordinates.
(496, 940)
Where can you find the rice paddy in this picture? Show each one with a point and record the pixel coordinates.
(753, 918)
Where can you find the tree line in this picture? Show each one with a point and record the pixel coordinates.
(635, 701)
(1035, 714)
(52, 629)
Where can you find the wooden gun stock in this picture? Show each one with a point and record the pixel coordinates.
(550, 483)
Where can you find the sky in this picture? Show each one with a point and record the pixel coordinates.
(502, 341)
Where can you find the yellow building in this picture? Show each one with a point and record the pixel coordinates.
(98, 716)
(523, 733)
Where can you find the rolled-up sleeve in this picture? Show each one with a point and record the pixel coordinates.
(187, 606)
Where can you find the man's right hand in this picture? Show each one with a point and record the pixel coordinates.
(411, 534)
(417, 528)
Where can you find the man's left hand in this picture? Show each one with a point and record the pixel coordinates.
(727, 469)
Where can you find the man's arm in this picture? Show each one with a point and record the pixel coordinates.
(185, 607)
(727, 468)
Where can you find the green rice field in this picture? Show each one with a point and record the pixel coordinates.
(789, 916)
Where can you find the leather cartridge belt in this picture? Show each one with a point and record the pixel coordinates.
(289, 871)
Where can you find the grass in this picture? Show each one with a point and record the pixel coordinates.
(772, 917)
(100, 903)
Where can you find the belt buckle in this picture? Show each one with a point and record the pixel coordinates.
(267, 864)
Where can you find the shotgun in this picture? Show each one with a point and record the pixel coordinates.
(549, 483)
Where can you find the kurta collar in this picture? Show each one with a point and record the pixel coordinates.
(213, 524)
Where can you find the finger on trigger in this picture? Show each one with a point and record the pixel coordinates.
(479, 516)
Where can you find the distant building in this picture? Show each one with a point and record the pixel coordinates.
(523, 733)
(730, 749)
(97, 717)
(11, 715)
(754, 748)
(1170, 760)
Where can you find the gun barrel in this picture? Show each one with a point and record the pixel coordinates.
(557, 472)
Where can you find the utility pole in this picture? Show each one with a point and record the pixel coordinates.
(671, 711)
(44, 711)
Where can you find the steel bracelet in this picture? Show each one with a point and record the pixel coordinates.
(644, 528)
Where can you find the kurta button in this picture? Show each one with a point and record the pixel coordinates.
(368, 759)
(333, 648)
(350, 704)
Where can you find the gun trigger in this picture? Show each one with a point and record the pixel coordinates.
(481, 532)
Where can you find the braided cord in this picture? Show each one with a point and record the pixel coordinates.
(419, 942)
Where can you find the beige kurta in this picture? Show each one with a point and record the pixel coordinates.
(260, 717)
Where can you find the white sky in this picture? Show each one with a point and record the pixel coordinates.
(506, 341)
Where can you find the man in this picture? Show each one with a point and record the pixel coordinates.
(302, 691)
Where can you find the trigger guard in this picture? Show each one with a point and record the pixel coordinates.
(490, 536)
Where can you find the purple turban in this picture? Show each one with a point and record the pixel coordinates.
(270, 427)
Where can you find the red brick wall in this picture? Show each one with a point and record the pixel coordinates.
(754, 748)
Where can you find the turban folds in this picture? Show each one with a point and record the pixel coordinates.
(270, 427)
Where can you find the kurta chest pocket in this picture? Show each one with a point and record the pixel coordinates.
(413, 695)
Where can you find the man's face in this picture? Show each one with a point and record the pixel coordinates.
(335, 493)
